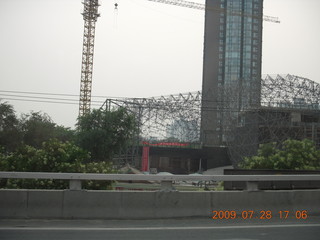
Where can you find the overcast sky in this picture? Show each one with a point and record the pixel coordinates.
(143, 49)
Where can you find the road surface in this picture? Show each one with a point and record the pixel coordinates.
(191, 228)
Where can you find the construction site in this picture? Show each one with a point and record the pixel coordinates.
(170, 126)
(237, 109)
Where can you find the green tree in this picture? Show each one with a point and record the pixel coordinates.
(32, 129)
(103, 133)
(291, 154)
(64, 134)
(37, 128)
(10, 134)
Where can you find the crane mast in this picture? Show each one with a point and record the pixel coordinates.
(90, 16)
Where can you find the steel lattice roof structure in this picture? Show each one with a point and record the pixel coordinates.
(288, 90)
(178, 117)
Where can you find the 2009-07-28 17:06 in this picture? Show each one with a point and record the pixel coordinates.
(262, 214)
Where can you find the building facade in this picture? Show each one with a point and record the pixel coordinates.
(231, 66)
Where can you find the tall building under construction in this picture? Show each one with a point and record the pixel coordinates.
(231, 66)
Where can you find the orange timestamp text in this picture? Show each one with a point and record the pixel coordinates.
(261, 214)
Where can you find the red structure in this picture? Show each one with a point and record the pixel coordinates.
(145, 163)
(176, 144)
(145, 159)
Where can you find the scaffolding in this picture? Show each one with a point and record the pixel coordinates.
(278, 108)
(173, 118)
(289, 109)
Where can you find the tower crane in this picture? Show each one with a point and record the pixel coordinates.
(90, 16)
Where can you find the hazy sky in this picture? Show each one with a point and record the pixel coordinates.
(142, 49)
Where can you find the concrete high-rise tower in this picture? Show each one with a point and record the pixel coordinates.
(232, 65)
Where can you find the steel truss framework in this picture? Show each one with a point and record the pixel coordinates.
(173, 118)
(289, 108)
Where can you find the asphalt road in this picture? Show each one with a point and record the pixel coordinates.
(185, 229)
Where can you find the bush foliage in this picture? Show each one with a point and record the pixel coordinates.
(291, 154)
(54, 156)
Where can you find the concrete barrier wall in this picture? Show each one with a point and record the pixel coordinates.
(66, 204)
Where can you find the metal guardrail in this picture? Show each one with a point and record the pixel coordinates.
(165, 180)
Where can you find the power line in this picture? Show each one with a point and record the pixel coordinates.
(55, 94)
(41, 93)
(207, 109)
(128, 100)
(46, 98)
(44, 101)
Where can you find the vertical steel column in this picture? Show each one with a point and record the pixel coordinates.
(90, 15)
